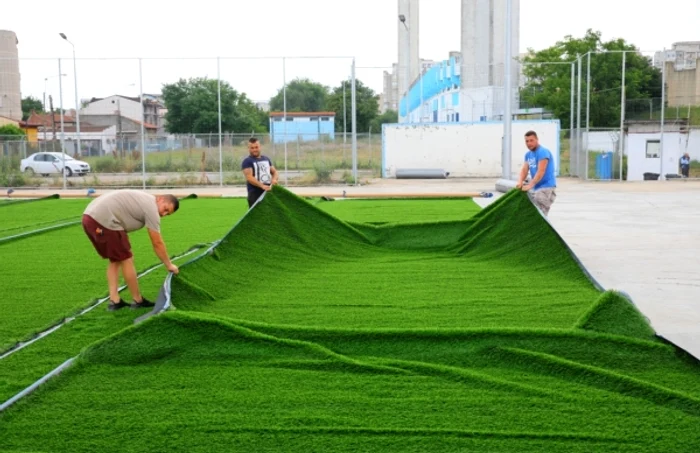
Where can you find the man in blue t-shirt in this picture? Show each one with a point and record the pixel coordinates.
(540, 164)
(259, 172)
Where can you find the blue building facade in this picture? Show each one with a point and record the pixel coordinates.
(435, 95)
(301, 126)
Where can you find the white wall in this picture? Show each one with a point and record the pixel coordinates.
(109, 106)
(674, 145)
(462, 149)
(601, 140)
(107, 137)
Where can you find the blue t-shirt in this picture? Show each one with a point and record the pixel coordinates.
(533, 159)
(261, 171)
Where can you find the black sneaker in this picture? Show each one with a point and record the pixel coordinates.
(114, 307)
(145, 303)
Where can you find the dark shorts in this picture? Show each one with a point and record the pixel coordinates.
(110, 244)
(253, 196)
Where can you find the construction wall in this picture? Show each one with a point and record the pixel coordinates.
(462, 149)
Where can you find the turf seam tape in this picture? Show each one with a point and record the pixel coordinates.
(21, 345)
(41, 230)
(36, 384)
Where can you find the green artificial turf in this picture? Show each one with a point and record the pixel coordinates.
(26, 366)
(320, 271)
(400, 210)
(27, 216)
(52, 275)
(476, 335)
(193, 382)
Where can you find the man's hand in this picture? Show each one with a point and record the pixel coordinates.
(266, 188)
(527, 188)
(173, 268)
(519, 185)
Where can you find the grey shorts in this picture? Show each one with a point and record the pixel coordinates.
(543, 198)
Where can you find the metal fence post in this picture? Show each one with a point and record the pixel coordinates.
(143, 135)
(621, 141)
(63, 131)
(579, 140)
(663, 114)
(572, 143)
(284, 118)
(588, 111)
(353, 101)
(221, 149)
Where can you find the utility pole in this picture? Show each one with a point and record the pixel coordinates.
(53, 125)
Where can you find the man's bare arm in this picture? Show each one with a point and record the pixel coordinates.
(523, 175)
(161, 251)
(275, 175)
(541, 168)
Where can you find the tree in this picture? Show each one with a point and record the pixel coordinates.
(193, 108)
(30, 103)
(390, 116)
(11, 132)
(549, 85)
(303, 95)
(367, 105)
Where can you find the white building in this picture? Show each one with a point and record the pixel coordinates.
(94, 140)
(151, 113)
(684, 55)
(642, 146)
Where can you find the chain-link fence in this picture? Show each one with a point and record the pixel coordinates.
(189, 160)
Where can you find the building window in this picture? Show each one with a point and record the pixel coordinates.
(325, 118)
(278, 119)
(290, 118)
(313, 118)
(653, 149)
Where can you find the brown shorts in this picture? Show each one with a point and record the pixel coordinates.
(110, 244)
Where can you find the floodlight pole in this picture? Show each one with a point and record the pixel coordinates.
(508, 113)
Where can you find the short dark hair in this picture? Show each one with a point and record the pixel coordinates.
(252, 140)
(172, 199)
(531, 134)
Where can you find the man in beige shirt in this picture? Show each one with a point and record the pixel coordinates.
(109, 218)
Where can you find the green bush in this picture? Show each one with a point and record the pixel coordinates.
(322, 173)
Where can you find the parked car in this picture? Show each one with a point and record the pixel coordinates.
(50, 163)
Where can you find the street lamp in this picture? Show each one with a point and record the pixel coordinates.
(402, 18)
(77, 105)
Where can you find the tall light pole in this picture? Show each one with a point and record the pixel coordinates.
(402, 18)
(77, 105)
(508, 111)
(345, 118)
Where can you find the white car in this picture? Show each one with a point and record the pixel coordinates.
(50, 163)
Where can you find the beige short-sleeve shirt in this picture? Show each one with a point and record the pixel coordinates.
(126, 210)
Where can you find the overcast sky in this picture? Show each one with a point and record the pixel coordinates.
(205, 29)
